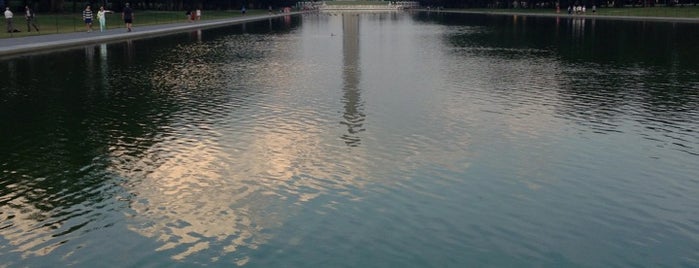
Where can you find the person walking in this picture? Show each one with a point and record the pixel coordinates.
(87, 17)
(8, 19)
(29, 15)
(102, 18)
(127, 16)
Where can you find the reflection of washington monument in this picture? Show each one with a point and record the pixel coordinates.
(353, 116)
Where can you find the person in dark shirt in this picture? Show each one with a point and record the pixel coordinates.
(29, 15)
(127, 15)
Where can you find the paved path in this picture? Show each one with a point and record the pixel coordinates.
(37, 43)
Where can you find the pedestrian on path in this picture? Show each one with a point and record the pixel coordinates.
(8, 20)
(127, 16)
(101, 17)
(87, 17)
(29, 15)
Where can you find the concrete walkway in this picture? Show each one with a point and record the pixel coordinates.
(38, 43)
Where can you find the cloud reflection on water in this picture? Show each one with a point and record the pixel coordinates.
(214, 184)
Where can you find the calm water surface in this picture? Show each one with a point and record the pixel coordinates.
(358, 140)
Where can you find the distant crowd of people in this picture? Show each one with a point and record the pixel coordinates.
(580, 9)
(127, 15)
(191, 16)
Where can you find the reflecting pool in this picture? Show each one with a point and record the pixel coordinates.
(358, 140)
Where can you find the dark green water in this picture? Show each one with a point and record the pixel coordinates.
(358, 140)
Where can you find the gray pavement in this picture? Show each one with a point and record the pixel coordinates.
(39, 43)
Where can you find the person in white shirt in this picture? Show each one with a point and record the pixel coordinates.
(101, 17)
(8, 19)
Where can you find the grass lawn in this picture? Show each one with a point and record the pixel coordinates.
(67, 23)
(683, 12)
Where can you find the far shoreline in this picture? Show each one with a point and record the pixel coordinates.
(566, 15)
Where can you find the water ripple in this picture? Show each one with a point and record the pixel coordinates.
(404, 141)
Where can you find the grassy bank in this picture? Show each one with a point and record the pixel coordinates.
(67, 23)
